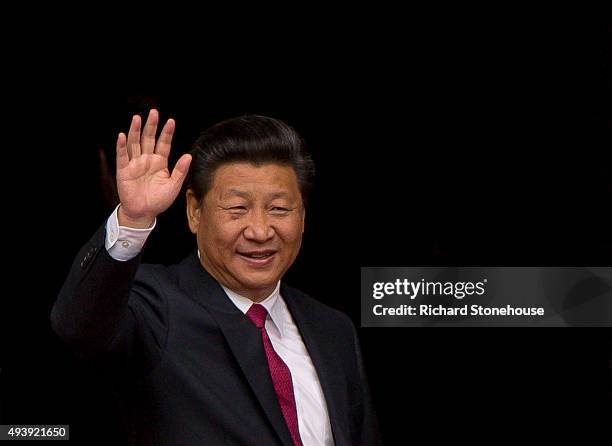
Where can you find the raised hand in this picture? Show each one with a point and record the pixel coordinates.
(144, 184)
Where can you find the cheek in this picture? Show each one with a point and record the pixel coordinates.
(222, 234)
(290, 232)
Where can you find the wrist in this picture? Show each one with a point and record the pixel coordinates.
(134, 222)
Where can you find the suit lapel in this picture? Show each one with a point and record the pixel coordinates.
(246, 344)
(325, 361)
(242, 336)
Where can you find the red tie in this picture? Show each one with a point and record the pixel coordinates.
(281, 375)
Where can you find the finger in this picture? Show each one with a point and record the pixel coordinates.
(123, 158)
(165, 138)
(133, 138)
(180, 170)
(147, 142)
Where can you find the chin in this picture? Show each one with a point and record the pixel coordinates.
(259, 280)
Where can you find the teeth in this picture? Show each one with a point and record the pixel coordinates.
(260, 256)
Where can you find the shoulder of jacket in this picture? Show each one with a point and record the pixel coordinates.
(322, 309)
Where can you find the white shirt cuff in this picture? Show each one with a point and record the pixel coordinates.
(123, 243)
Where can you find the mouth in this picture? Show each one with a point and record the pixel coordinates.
(258, 258)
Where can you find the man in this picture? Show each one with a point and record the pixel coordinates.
(217, 350)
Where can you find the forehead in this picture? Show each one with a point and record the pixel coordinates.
(263, 179)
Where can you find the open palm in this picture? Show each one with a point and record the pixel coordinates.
(145, 185)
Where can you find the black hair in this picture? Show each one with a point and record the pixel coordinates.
(253, 139)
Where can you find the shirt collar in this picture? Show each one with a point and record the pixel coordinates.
(270, 303)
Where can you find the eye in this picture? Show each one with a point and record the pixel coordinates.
(237, 209)
(278, 210)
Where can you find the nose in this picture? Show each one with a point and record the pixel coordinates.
(258, 228)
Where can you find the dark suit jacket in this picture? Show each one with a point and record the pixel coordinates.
(191, 364)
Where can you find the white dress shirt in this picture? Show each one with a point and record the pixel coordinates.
(124, 243)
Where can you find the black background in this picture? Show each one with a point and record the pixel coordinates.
(446, 141)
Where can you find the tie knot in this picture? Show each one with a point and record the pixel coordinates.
(257, 313)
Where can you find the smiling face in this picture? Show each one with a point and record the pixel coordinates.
(249, 226)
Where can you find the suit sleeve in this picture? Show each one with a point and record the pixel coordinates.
(107, 310)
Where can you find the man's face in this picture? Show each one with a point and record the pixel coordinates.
(249, 226)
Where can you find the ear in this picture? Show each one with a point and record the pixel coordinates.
(193, 211)
(303, 219)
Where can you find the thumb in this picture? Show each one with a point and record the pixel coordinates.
(180, 170)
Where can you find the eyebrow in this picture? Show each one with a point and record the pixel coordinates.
(248, 195)
(238, 193)
(279, 195)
